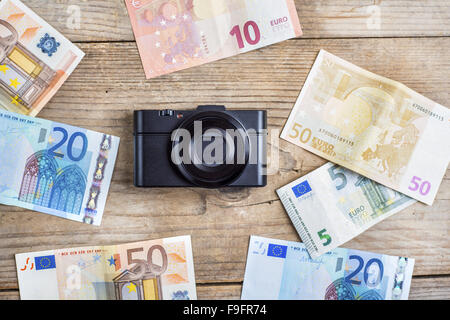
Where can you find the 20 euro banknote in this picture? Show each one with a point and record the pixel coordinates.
(176, 35)
(283, 270)
(372, 125)
(332, 205)
(160, 269)
(35, 59)
(55, 168)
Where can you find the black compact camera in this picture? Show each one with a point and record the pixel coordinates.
(209, 147)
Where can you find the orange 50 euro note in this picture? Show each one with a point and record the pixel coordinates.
(174, 35)
(372, 125)
(160, 269)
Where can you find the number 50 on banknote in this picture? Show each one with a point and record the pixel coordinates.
(372, 125)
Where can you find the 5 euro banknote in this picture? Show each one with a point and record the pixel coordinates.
(283, 270)
(332, 205)
(35, 59)
(161, 269)
(176, 35)
(55, 168)
(372, 125)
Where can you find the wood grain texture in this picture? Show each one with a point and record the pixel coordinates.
(426, 288)
(109, 84)
(102, 20)
(98, 96)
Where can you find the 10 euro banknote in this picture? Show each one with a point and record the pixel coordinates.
(283, 270)
(332, 205)
(176, 35)
(55, 168)
(160, 269)
(372, 125)
(35, 59)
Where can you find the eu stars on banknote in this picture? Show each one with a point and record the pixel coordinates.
(342, 274)
(176, 35)
(160, 269)
(372, 125)
(332, 205)
(55, 168)
(46, 262)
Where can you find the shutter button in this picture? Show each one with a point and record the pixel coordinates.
(166, 113)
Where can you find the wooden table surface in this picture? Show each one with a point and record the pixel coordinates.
(411, 45)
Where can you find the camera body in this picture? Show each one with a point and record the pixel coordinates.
(158, 161)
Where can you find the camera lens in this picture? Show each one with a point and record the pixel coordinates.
(211, 149)
(211, 138)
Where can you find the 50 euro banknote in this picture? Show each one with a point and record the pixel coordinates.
(372, 125)
(283, 270)
(55, 168)
(179, 34)
(332, 205)
(160, 269)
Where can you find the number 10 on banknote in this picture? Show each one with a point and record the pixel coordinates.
(174, 35)
(372, 125)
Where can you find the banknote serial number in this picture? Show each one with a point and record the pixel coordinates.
(428, 112)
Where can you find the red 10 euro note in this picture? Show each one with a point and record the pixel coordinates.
(174, 35)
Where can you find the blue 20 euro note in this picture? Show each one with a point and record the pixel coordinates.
(283, 270)
(55, 168)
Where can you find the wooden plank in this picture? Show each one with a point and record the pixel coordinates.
(436, 288)
(9, 295)
(110, 83)
(108, 20)
(427, 288)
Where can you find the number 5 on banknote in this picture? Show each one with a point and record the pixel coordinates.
(332, 205)
(337, 174)
(323, 236)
